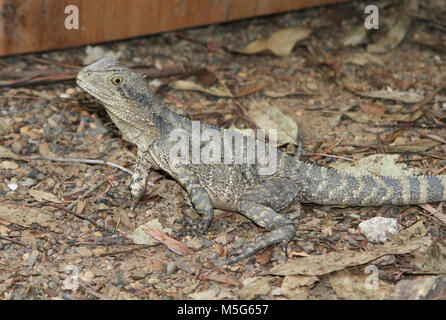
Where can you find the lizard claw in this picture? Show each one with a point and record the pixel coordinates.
(282, 234)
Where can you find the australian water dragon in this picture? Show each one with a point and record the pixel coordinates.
(234, 186)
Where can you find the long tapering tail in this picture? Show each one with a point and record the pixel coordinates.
(329, 186)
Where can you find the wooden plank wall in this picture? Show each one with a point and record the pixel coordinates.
(38, 25)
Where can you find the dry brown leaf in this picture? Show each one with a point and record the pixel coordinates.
(429, 39)
(364, 117)
(364, 58)
(171, 243)
(256, 287)
(275, 94)
(373, 109)
(280, 43)
(8, 154)
(415, 146)
(222, 278)
(43, 196)
(335, 261)
(393, 37)
(349, 284)
(403, 96)
(192, 86)
(270, 117)
(25, 216)
(421, 289)
(355, 36)
(296, 287)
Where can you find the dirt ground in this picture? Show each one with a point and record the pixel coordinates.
(66, 231)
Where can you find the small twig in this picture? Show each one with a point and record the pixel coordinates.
(86, 194)
(328, 156)
(14, 241)
(75, 160)
(49, 204)
(436, 213)
(428, 98)
(114, 253)
(78, 160)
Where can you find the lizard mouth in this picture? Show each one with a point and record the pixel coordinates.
(89, 88)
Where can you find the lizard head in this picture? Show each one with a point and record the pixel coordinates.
(124, 93)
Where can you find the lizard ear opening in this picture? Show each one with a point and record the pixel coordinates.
(117, 80)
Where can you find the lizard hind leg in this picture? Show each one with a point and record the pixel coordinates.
(260, 205)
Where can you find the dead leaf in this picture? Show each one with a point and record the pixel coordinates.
(406, 97)
(25, 216)
(355, 36)
(429, 39)
(140, 236)
(8, 154)
(171, 243)
(254, 287)
(365, 118)
(393, 37)
(270, 117)
(275, 94)
(415, 146)
(292, 289)
(44, 150)
(363, 59)
(125, 223)
(421, 289)
(205, 77)
(222, 278)
(352, 284)
(280, 43)
(43, 196)
(192, 86)
(264, 256)
(436, 213)
(335, 261)
(373, 109)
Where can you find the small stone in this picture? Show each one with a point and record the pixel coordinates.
(153, 281)
(25, 130)
(88, 276)
(276, 291)
(28, 182)
(12, 186)
(70, 91)
(85, 252)
(6, 125)
(16, 146)
(158, 267)
(138, 274)
(171, 268)
(8, 165)
(32, 258)
(194, 243)
(376, 229)
(99, 251)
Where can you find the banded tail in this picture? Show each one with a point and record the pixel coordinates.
(329, 186)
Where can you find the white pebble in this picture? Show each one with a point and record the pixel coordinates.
(376, 229)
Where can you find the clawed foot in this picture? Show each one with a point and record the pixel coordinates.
(283, 235)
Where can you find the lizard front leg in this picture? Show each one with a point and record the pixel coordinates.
(139, 178)
(201, 201)
(260, 205)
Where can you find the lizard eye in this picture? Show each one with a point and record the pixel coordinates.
(117, 80)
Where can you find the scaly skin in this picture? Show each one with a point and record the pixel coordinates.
(144, 121)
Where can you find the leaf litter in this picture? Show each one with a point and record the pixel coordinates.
(304, 97)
